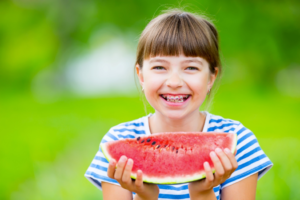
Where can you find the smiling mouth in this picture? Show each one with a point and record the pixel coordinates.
(175, 98)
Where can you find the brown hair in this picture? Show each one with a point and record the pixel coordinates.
(178, 32)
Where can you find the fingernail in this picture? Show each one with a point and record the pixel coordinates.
(112, 162)
(206, 165)
(218, 150)
(213, 154)
(227, 150)
(122, 159)
(129, 162)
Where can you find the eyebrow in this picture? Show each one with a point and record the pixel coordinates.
(193, 60)
(158, 60)
(185, 61)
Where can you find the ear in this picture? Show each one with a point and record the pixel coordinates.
(213, 77)
(139, 74)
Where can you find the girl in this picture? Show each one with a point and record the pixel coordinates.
(177, 64)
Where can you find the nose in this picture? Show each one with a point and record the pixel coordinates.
(174, 80)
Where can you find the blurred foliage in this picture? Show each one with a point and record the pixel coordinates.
(260, 36)
(45, 148)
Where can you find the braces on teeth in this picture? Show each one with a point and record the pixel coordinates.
(176, 99)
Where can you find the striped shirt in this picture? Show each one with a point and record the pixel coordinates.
(250, 157)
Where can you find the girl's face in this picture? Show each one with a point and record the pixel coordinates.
(176, 86)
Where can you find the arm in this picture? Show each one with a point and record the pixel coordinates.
(244, 189)
(114, 192)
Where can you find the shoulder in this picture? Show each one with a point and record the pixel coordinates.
(131, 129)
(218, 123)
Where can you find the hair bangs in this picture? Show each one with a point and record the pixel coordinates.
(179, 34)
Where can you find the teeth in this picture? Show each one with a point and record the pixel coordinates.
(180, 99)
(176, 99)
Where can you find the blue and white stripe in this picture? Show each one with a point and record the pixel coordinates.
(250, 156)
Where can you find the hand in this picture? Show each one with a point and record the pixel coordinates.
(122, 175)
(224, 163)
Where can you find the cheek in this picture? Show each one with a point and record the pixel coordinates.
(153, 83)
(198, 84)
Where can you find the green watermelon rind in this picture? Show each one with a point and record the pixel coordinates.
(195, 177)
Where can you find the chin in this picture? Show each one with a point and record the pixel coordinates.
(175, 114)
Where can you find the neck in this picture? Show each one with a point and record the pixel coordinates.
(191, 123)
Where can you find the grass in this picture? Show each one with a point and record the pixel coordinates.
(46, 148)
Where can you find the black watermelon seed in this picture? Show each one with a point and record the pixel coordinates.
(176, 151)
(148, 140)
(138, 138)
(153, 143)
(142, 141)
(166, 145)
(173, 148)
(158, 146)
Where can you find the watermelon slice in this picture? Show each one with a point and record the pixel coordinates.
(170, 158)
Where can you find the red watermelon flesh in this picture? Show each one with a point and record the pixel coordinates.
(169, 158)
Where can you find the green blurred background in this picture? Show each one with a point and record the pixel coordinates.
(66, 77)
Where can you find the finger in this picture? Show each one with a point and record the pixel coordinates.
(218, 166)
(127, 172)
(232, 159)
(225, 161)
(120, 168)
(209, 174)
(139, 179)
(111, 169)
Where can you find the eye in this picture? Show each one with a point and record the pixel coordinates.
(158, 68)
(192, 68)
